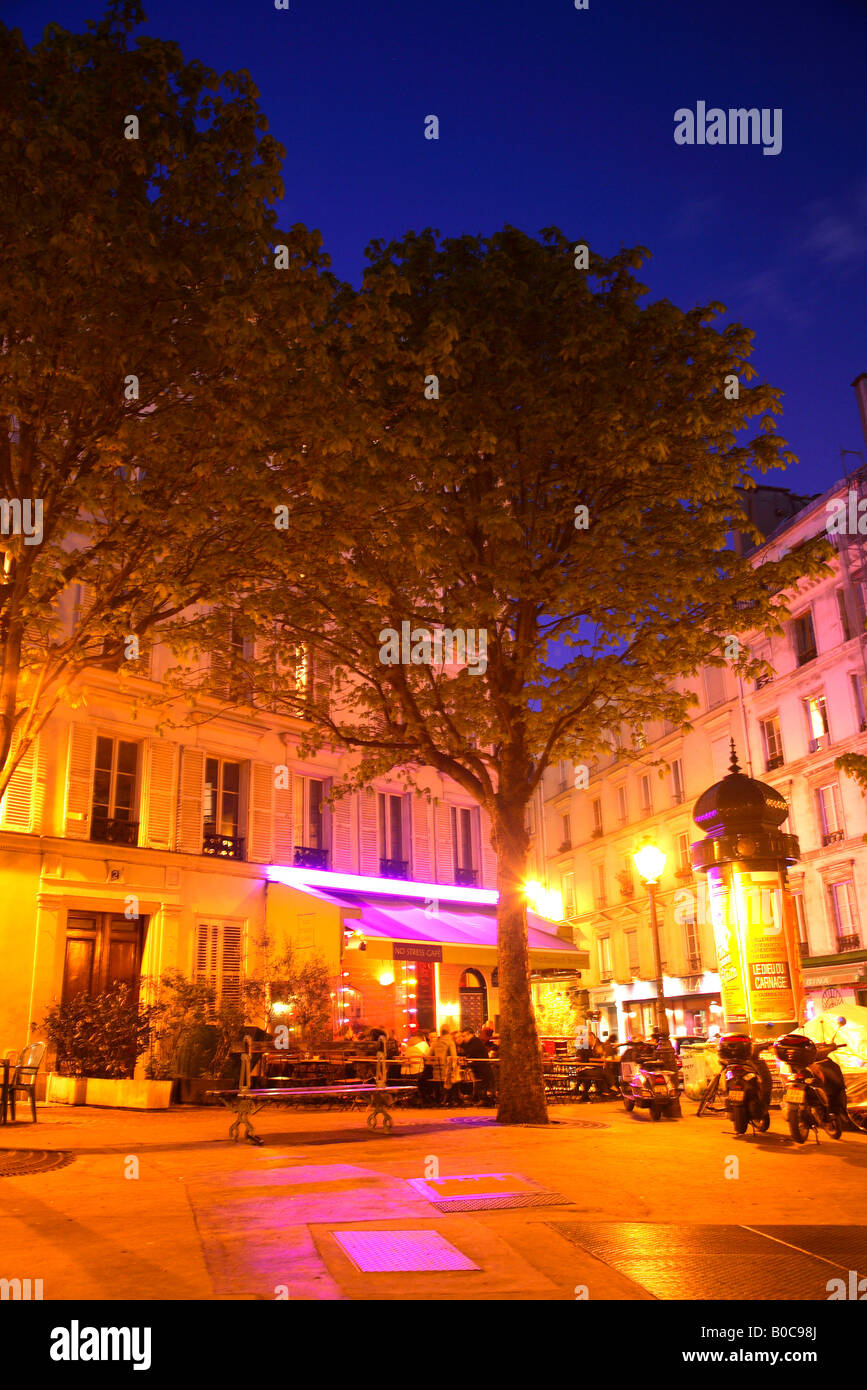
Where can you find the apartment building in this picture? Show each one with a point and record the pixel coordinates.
(128, 847)
(788, 729)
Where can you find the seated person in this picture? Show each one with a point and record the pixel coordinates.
(418, 1046)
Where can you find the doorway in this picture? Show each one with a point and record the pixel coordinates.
(473, 996)
(102, 949)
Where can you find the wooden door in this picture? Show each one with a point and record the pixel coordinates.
(102, 949)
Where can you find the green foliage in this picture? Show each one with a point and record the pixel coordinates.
(855, 766)
(100, 1035)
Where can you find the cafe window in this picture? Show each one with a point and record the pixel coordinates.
(114, 791)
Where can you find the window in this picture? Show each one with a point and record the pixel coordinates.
(693, 944)
(818, 731)
(622, 805)
(639, 737)
(860, 703)
(601, 891)
(603, 945)
(677, 781)
(844, 915)
(222, 809)
(114, 792)
(772, 742)
(804, 638)
(714, 686)
(464, 841)
(625, 876)
(567, 887)
(830, 813)
(393, 860)
(563, 774)
(309, 822)
(843, 612)
(646, 795)
(596, 806)
(567, 833)
(684, 863)
(632, 952)
(218, 960)
(801, 920)
(763, 654)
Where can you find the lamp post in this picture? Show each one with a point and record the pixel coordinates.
(649, 860)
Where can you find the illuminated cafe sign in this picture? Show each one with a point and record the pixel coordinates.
(408, 950)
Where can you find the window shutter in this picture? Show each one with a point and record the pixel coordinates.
(368, 838)
(341, 830)
(445, 854)
(218, 959)
(191, 794)
(207, 945)
(284, 834)
(79, 781)
(319, 670)
(158, 794)
(17, 805)
(422, 865)
(489, 855)
(260, 811)
(230, 964)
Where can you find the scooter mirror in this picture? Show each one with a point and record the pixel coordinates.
(841, 1020)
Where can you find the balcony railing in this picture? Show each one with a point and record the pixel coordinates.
(693, 962)
(762, 681)
(306, 857)
(394, 868)
(833, 837)
(821, 742)
(223, 846)
(596, 832)
(466, 878)
(564, 846)
(111, 831)
(806, 654)
(849, 943)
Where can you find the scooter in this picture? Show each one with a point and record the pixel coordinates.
(650, 1079)
(815, 1097)
(747, 1083)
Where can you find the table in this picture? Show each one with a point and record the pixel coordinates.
(5, 1067)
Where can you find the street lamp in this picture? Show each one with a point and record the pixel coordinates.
(649, 860)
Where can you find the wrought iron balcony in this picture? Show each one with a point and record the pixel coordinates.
(775, 761)
(394, 868)
(833, 837)
(597, 832)
(466, 878)
(764, 680)
(821, 742)
(693, 962)
(849, 943)
(305, 857)
(111, 831)
(223, 846)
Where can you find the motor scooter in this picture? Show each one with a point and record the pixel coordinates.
(815, 1095)
(747, 1082)
(650, 1077)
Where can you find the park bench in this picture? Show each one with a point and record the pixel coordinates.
(245, 1102)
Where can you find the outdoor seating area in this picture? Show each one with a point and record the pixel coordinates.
(18, 1073)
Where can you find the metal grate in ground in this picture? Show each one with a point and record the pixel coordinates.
(845, 1246)
(407, 1252)
(486, 1192)
(701, 1262)
(19, 1163)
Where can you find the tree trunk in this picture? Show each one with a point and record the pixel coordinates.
(522, 1089)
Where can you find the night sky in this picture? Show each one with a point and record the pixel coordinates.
(549, 115)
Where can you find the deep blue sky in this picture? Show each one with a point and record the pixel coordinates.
(548, 116)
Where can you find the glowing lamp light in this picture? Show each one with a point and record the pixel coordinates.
(386, 978)
(279, 1009)
(649, 860)
(545, 902)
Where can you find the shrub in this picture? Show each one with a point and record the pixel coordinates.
(99, 1035)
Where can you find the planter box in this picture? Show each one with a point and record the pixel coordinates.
(129, 1095)
(66, 1090)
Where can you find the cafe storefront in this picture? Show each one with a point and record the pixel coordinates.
(407, 956)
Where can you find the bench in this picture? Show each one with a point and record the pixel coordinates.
(245, 1103)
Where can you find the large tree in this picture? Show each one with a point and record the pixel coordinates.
(513, 445)
(141, 289)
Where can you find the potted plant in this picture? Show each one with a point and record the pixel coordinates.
(98, 1040)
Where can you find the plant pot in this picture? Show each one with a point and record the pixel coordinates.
(66, 1090)
(129, 1094)
(192, 1090)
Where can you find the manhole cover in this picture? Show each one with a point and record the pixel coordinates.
(486, 1192)
(393, 1252)
(17, 1163)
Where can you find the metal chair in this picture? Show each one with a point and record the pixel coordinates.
(23, 1078)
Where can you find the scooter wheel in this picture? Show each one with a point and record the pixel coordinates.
(655, 1112)
(740, 1118)
(763, 1123)
(629, 1106)
(799, 1123)
(834, 1125)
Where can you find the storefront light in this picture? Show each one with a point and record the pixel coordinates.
(386, 978)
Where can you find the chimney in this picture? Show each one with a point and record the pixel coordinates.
(860, 384)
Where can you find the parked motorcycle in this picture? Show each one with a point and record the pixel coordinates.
(815, 1096)
(650, 1077)
(747, 1082)
(856, 1099)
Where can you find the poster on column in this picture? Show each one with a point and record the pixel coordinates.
(759, 906)
(728, 949)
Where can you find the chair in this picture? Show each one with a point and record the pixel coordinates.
(11, 1056)
(24, 1076)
